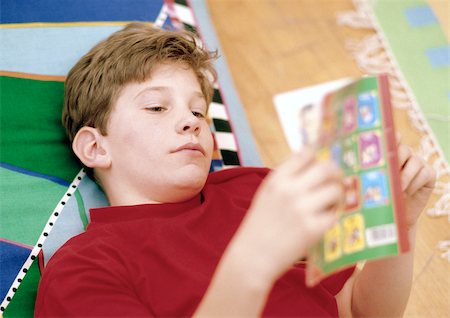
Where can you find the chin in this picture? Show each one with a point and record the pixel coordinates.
(192, 183)
(191, 178)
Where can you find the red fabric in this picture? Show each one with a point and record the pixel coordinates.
(157, 260)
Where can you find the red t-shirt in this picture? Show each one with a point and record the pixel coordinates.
(158, 259)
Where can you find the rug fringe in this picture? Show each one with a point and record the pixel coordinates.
(445, 247)
(373, 56)
(358, 19)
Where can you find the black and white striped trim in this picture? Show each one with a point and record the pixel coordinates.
(226, 141)
(162, 16)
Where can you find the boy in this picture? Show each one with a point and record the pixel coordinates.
(178, 241)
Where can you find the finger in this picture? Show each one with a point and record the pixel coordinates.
(325, 198)
(404, 153)
(425, 179)
(327, 219)
(316, 177)
(319, 174)
(297, 162)
(410, 170)
(432, 177)
(398, 138)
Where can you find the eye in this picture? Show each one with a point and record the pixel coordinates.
(155, 109)
(198, 114)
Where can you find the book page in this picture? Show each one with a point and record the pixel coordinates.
(289, 104)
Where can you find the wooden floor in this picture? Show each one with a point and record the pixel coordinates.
(272, 46)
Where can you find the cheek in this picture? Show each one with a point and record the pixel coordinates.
(130, 137)
(133, 139)
(209, 142)
(141, 133)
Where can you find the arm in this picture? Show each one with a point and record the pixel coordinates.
(382, 287)
(291, 210)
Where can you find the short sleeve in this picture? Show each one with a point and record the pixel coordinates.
(335, 282)
(77, 285)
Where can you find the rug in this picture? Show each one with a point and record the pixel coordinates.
(411, 47)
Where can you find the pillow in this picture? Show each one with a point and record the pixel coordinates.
(45, 195)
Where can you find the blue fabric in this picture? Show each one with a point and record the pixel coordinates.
(439, 56)
(12, 257)
(34, 174)
(26, 11)
(46, 50)
(420, 16)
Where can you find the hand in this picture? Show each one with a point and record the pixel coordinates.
(291, 210)
(417, 181)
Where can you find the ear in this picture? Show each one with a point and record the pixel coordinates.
(88, 146)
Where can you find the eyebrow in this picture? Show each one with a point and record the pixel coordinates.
(151, 89)
(164, 89)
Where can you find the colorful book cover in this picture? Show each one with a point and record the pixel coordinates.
(356, 130)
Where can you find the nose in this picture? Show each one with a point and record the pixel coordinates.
(189, 124)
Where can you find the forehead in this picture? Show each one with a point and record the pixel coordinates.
(164, 79)
(163, 76)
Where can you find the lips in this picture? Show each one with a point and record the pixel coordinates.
(191, 147)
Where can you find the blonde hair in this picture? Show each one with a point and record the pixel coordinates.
(128, 55)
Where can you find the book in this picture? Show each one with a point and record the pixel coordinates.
(351, 122)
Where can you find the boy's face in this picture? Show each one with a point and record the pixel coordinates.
(158, 139)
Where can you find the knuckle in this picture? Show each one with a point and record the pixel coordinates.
(417, 162)
(430, 173)
(319, 173)
(281, 189)
(335, 194)
(324, 169)
(407, 150)
(412, 163)
(338, 190)
(404, 151)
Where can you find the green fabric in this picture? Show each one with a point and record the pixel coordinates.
(29, 199)
(430, 85)
(22, 304)
(81, 210)
(31, 134)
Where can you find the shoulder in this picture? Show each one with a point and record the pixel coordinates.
(89, 250)
(79, 262)
(234, 184)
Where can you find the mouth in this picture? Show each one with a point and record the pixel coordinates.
(191, 148)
